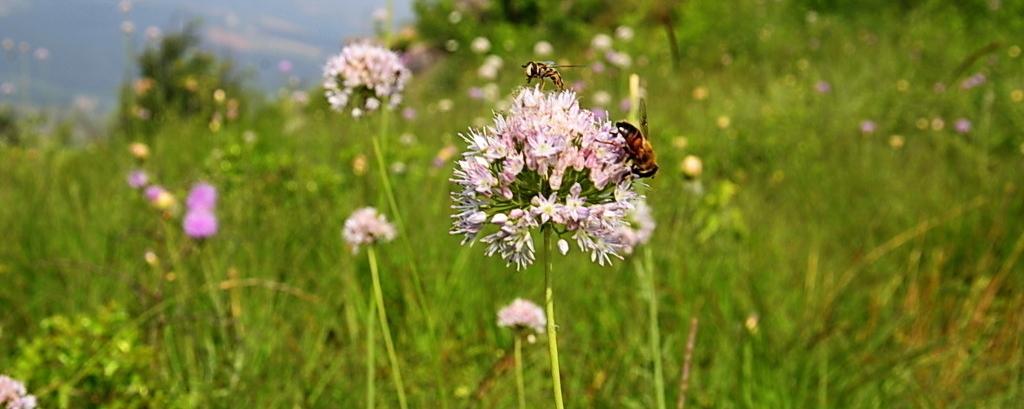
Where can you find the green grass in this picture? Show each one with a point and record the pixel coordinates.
(842, 272)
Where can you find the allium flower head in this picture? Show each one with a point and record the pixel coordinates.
(137, 179)
(522, 315)
(366, 227)
(365, 75)
(640, 227)
(203, 196)
(200, 223)
(547, 163)
(13, 395)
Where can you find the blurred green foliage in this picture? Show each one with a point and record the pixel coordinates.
(178, 80)
(9, 132)
(509, 23)
(96, 360)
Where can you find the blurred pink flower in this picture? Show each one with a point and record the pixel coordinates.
(962, 125)
(203, 196)
(137, 179)
(823, 87)
(200, 223)
(522, 315)
(366, 226)
(868, 126)
(13, 394)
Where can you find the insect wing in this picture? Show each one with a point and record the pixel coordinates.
(643, 118)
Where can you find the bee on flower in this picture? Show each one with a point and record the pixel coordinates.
(545, 164)
(364, 77)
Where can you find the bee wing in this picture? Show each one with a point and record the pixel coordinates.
(643, 117)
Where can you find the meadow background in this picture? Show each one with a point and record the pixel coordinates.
(854, 239)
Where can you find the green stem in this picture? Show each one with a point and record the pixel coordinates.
(520, 385)
(645, 271)
(206, 265)
(396, 373)
(549, 304)
(371, 386)
(420, 299)
(389, 193)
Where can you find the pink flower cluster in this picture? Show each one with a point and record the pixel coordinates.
(522, 314)
(200, 222)
(366, 226)
(367, 75)
(13, 395)
(547, 163)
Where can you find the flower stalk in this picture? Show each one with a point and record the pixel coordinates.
(382, 315)
(520, 384)
(645, 272)
(549, 305)
(371, 368)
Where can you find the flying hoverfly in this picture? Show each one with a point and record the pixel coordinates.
(638, 146)
(545, 70)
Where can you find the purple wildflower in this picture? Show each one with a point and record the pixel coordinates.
(200, 223)
(368, 73)
(153, 192)
(962, 125)
(203, 196)
(13, 394)
(366, 226)
(522, 315)
(476, 93)
(823, 87)
(409, 113)
(284, 66)
(547, 163)
(973, 81)
(625, 104)
(868, 126)
(138, 179)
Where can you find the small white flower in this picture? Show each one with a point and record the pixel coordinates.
(563, 246)
(480, 45)
(624, 33)
(692, 166)
(372, 104)
(543, 48)
(601, 42)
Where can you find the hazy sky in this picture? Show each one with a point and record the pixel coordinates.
(87, 50)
